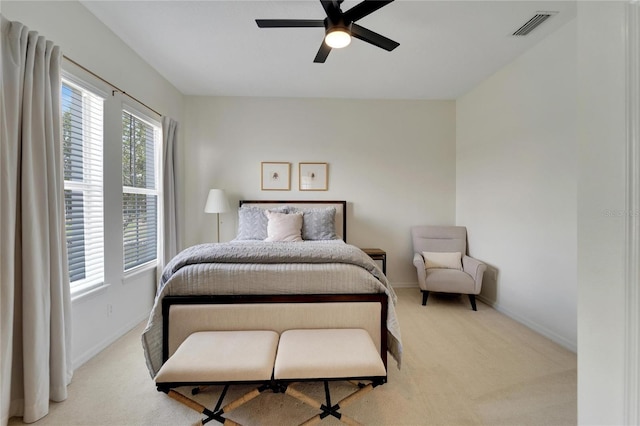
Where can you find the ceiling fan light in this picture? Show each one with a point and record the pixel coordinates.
(337, 38)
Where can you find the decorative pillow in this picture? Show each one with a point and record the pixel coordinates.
(318, 223)
(252, 222)
(442, 260)
(284, 227)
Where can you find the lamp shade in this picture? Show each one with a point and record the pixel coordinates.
(216, 202)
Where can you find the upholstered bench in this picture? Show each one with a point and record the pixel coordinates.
(328, 354)
(274, 362)
(220, 357)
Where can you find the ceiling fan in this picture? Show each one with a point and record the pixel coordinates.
(339, 26)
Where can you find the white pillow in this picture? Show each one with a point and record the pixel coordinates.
(442, 260)
(284, 227)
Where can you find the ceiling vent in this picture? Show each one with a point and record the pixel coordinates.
(533, 23)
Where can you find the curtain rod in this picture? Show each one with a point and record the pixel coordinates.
(116, 88)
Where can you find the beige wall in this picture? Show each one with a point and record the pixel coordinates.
(393, 161)
(602, 161)
(516, 185)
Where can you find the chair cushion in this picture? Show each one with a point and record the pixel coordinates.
(449, 281)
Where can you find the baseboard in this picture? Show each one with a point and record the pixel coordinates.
(572, 346)
(103, 344)
(404, 284)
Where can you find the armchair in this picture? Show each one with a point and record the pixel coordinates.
(443, 272)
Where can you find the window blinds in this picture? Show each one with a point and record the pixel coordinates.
(82, 132)
(140, 140)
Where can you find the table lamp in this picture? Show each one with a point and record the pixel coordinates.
(216, 203)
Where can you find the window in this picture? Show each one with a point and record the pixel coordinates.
(82, 134)
(140, 159)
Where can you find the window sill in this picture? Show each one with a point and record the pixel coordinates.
(139, 270)
(76, 298)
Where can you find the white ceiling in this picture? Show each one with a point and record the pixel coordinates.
(215, 47)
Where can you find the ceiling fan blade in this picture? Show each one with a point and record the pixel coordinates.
(322, 54)
(374, 38)
(289, 23)
(327, 5)
(332, 9)
(363, 9)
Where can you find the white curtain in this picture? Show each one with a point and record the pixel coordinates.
(170, 183)
(35, 306)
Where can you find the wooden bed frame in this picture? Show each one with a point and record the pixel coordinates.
(184, 315)
(320, 310)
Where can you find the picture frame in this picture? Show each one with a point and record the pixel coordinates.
(313, 176)
(275, 176)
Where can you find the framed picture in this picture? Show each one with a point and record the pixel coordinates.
(313, 176)
(275, 176)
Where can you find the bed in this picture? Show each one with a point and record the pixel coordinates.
(317, 281)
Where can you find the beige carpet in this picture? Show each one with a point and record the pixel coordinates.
(459, 368)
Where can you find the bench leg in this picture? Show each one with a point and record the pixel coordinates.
(348, 400)
(218, 413)
(242, 400)
(190, 403)
(328, 409)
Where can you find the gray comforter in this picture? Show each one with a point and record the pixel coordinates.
(259, 267)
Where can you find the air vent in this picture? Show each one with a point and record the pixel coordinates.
(533, 23)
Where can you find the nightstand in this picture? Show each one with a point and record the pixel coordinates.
(377, 254)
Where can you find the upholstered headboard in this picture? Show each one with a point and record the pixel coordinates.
(340, 206)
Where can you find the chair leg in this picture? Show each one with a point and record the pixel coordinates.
(425, 295)
(472, 299)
